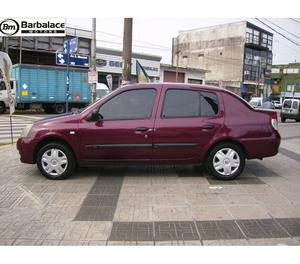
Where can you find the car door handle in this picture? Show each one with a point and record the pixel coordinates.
(208, 126)
(142, 129)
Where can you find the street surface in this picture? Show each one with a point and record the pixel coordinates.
(151, 205)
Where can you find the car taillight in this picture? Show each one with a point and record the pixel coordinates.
(274, 120)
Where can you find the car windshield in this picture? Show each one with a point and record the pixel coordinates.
(253, 103)
(287, 104)
(101, 93)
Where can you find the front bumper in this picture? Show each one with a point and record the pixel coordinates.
(26, 147)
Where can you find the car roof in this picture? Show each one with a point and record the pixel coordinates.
(173, 85)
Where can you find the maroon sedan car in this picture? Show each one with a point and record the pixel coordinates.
(154, 123)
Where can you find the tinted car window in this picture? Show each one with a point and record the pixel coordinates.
(134, 104)
(209, 104)
(181, 103)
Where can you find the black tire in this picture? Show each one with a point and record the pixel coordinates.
(59, 109)
(239, 154)
(2, 108)
(48, 110)
(283, 119)
(68, 168)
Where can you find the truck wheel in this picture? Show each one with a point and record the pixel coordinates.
(48, 110)
(2, 108)
(56, 161)
(226, 161)
(59, 108)
(283, 119)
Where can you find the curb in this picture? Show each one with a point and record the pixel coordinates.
(7, 145)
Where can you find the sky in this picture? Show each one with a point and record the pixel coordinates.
(154, 35)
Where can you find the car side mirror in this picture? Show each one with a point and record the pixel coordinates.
(95, 116)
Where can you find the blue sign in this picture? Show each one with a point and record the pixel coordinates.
(72, 45)
(75, 59)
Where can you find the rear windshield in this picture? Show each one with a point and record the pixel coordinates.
(287, 104)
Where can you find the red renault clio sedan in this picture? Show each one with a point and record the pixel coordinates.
(154, 123)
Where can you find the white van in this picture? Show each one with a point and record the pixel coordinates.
(101, 90)
(290, 110)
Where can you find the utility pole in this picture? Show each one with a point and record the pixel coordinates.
(127, 51)
(6, 45)
(177, 58)
(20, 54)
(93, 51)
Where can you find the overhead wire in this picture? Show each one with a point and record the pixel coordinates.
(295, 20)
(295, 43)
(119, 36)
(282, 28)
(278, 41)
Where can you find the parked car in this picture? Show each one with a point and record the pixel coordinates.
(256, 102)
(277, 104)
(267, 105)
(290, 110)
(154, 123)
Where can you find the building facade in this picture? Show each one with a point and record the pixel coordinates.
(286, 81)
(237, 56)
(42, 51)
(184, 75)
(109, 61)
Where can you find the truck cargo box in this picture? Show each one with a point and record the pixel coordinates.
(47, 84)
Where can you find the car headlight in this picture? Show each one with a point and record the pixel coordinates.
(26, 131)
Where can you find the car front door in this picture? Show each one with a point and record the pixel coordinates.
(188, 120)
(125, 131)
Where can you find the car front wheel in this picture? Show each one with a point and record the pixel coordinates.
(55, 161)
(226, 161)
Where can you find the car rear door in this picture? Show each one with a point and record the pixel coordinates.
(187, 120)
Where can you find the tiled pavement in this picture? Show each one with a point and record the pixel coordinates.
(151, 205)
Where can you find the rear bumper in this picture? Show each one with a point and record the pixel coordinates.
(289, 116)
(26, 147)
(263, 147)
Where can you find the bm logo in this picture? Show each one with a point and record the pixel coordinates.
(9, 27)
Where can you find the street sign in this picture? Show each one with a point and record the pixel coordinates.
(76, 60)
(92, 77)
(72, 44)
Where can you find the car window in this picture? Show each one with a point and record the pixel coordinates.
(2, 86)
(209, 104)
(287, 104)
(295, 105)
(181, 103)
(133, 104)
(189, 103)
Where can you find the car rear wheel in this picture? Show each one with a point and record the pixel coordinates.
(226, 161)
(283, 119)
(55, 161)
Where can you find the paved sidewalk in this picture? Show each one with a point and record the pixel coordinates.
(151, 205)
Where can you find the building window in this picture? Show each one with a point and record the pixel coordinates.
(196, 81)
(256, 37)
